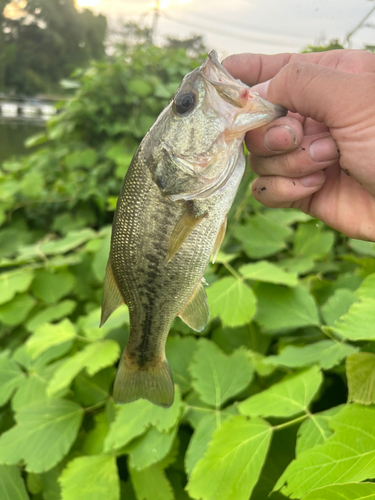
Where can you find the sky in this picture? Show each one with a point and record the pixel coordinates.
(234, 26)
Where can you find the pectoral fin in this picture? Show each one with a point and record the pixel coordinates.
(219, 240)
(186, 224)
(112, 297)
(196, 312)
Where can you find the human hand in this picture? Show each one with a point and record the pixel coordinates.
(320, 158)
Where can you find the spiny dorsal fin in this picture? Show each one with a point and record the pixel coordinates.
(112, 298)
(196, 312)
(185, 225)
(219, 240)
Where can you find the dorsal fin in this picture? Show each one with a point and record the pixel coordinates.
(112, 298)
(185, 225)
(196, 312)
(219, 240)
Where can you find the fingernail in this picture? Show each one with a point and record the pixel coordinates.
(280, 138)
(324, 149)
(261, 88)
(312, 180)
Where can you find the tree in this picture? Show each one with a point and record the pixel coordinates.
(45, 43)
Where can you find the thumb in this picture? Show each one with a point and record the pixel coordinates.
(321, 93)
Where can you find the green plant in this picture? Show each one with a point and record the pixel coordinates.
(264, 397)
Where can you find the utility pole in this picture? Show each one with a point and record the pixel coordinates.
(155, 20)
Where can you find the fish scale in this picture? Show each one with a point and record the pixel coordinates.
(171, 216)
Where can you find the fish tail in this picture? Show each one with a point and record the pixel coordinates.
(154, 383)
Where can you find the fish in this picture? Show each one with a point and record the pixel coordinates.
(171, 216)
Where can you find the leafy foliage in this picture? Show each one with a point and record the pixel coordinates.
(273, 399)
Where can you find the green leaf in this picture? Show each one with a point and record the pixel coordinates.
(51, 313)
(200, 440)
(202, 437)
(325, 353)
(311, 241)
(22, 356)
(348, 491)
(315, 430)
(84, 158)
(93, 390)
(218, 377)
(100, 259)
(11, 377)
(367, 288)
(51, 287)
(47, 335)
(299, 265)
(93, 357)
(33, 388)
(133, 419)
(50, 485)
(268, 272)
(360, 372)
(179, 352)
(261, 237)
(232, 464)
(90, 324)
(69, 242)
(150, 448)
(347, 456)
(286, 398)
(139, 87)
(151, 483)
(286, 216)
(249, 336)
(281, 308)
(224, 258)
(13, 282)
(94, 440)
(232, 300)
(358, 322)
(337, 305)
(15, 312)
(81, 474)
(362, 247)
(42, 435)
(12, 486)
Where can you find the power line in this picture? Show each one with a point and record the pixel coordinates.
(232, 24)
(218, 32)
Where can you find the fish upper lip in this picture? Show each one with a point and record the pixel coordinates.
(213, 56)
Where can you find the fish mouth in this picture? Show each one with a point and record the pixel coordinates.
(238, 94)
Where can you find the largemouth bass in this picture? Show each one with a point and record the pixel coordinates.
(171, 216)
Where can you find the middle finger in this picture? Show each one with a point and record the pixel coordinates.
(315, 152)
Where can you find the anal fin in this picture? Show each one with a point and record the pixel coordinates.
(112, 297)
(219, 240)
(196, 312)
(185, 225)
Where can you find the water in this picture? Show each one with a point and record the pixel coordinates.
(13, 137)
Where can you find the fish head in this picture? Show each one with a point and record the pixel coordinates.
(202, 129)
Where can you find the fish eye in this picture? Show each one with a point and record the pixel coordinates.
(185, 103)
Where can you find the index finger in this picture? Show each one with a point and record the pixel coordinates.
(257, 68)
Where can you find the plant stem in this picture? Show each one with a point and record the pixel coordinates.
(233, 271)
(290, 423)
(95, 407)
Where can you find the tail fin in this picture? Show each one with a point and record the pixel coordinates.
(154, 383)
